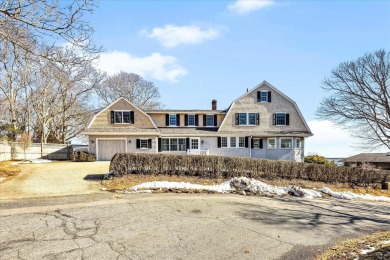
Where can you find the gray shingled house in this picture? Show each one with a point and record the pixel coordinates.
(379, 160)
(262, 123)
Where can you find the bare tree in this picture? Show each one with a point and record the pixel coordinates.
(142, 93)
(50, 22)
(359, 99)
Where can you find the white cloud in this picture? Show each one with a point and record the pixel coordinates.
(154, 66)
(172, 35)
(329, 140)
(242, 7)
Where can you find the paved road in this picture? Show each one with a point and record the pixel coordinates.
(53, 179)
(181, 226)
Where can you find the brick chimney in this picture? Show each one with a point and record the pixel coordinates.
(214, 104)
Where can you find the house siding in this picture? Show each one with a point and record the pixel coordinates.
(103, 120)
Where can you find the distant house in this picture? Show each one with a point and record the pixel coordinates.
(262, 123)
(379, 160)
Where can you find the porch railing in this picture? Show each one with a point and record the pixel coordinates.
(197, 152)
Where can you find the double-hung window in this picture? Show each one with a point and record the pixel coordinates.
(256, 143)
(233, 142)
(264, 96)
(173, 144)
(172, 120)
(144, 143)
(241, 142)
(298, 143)
(209, 120)
(191, 120)
(251, 118)
(281, 119)
(247, 119)
(121, 117)
(242, 119)
(224, 142)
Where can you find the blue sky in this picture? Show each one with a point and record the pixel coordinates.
(195, 51)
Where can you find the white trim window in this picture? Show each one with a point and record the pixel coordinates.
(194, 144)
(263, 96)
(172, 120)
(286, 143)
(224, 142)
(233, 142)
(241, 142)
(247, 119)
(256, 143)
(191, 120)
(209, 120)
(281, 119)
(298, 143)
(271, 143)
(173, 144)
(121, 117)
(144, 144)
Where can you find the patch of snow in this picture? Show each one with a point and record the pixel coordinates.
(2, 179)
(221, 188)
(40, 161)
(347, 195)
(306, 193)
(14, 163)
(103, 188)
(366, 251)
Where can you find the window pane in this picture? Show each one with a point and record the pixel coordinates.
(252, 118)
(194, 144)
(271, 143)
(264, 96)
(172, 119)
(209, 120)
(118, 117)
(164, 144)
(144, 143)
(281, 119)
(173, 144)
(126, 117)
(256, 143)
(298, 143)
(233, 142)
(241, 142)
(224, 142)
(191, 120)
(242, 117)
(182, 144)
(286, 143)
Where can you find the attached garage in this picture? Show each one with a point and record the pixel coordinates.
(107, 148)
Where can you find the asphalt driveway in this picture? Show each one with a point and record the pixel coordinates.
(53, 179)
(181, 226)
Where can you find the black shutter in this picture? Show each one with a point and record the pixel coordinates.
(215, 120)
(204, 120)
(237, 119)
(287, 119)
(131, 117)
(188, 143)
(138, 143)
(274, 119)
(257, 119)
(252, 143)
(159, 144)
(112, 117)
(150, 143)
(167, 119)
(185, 120)
(269, 96)
(196, 120)
(258, 96)
(247, 142)
(178, 120)
(219, 142)
(261, 143)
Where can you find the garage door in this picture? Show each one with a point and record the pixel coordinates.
(108, 148)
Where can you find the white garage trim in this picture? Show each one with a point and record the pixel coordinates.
(97, 144)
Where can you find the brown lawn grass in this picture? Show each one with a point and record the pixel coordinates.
(135, 179)
(351, 249)
(8, 170)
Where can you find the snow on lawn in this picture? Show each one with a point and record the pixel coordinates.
(350, 195)
(246, 185)
(32, 161)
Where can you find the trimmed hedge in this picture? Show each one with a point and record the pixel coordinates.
(78, 156)
(228, 167)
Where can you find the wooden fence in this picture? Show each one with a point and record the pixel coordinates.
(35, 151)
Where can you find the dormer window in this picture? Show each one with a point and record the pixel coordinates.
(122, 117)
(172, 120)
